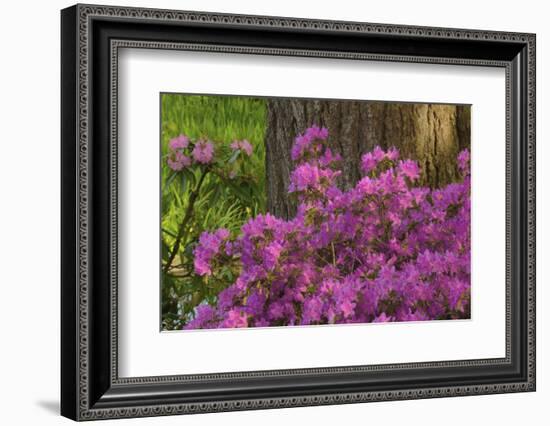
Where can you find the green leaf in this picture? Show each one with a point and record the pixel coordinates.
(234, 156)
(170, 179)
(183, 182)
(169, 232)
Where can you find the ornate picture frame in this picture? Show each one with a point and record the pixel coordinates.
(91, 37)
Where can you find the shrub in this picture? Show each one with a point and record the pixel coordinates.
(385, 250)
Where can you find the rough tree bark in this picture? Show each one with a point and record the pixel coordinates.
(431, 134)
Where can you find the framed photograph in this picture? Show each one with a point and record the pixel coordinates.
(263, 212)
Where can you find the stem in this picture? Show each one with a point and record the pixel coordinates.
(186, 218)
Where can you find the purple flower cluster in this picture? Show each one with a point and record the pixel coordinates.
(209, 246)
(182, 152)
(203, 152)
(310, 142)
(385, 250)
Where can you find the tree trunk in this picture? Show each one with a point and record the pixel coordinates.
(463, 126)
(430, 134)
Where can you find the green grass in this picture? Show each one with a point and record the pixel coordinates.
(220, 119)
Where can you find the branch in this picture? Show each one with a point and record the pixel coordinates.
(186, 218)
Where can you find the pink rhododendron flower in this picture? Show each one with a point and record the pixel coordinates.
(209, 246)
(392, 154)
(203, 152)
(235, 318)
(308, 176)
(243, 145)
(174, 165)
(370, 160)
(179, 142)
(305, 142)
(177, 161)
(464, 160)
(410, 169)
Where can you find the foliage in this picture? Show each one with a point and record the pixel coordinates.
(385, 250)
(227, 182)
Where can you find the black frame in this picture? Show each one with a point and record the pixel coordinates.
(91, 37)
